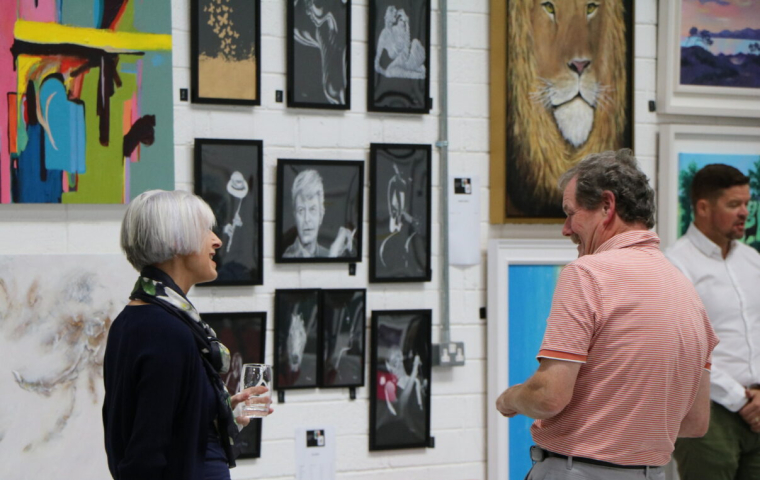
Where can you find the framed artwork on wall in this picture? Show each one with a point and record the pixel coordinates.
(400, 213)
(708, 60)
(319, 54)
(228, 176)
(522, 275)
(319, 211)
(244, 334)
(398, 65)
(296, 338)
(400, 356)
(554, 101)
(343, 328)
(87, 110)
(225, 58)
(684, 150)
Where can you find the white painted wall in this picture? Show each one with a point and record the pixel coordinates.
(458, 402)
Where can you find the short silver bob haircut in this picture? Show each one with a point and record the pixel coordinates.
(619, 172)
(159, 225)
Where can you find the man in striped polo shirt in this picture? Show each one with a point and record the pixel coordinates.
(624, 364)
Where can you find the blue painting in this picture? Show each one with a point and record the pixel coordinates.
(531, 288)
(690, 163)
(720, 43)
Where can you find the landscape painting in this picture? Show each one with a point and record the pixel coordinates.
(720, 43)
(690, 163)
(85, 100)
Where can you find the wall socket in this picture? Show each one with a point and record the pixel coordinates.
(448, 354)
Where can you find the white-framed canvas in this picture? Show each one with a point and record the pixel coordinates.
(708, 56)
(684, 149)
(521, 279)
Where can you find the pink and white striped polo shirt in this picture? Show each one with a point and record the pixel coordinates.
(640, 330)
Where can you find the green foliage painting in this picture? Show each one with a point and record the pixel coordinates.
(690, 163)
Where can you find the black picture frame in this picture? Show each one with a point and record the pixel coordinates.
(244, 334)
(225, 43)
(297, 338)
(400, 208)
(319, 39)
(400, 84)
(400, 420)
(339, 226)
(344, 325)
(228, 176)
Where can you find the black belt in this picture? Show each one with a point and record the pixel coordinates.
(538, 454)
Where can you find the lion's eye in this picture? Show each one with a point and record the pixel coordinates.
(549, 7)
(591, 8)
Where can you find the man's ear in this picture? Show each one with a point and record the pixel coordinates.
(608, 206)
(701, 208)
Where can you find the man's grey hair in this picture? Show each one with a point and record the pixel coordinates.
(618, 172)
(159, 225)
(308, 184)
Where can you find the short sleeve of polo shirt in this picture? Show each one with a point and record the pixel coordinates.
(575, 311)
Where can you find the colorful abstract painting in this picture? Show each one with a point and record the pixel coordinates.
(690, 163)
(53, 331)
(85, 100)
(720, 43)
(531, 288)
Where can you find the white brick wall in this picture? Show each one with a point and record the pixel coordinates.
(458, 403)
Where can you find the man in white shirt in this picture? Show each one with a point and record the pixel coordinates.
(726, 274)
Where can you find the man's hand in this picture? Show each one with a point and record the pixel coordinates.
(503, 405)
(751, 411)
(543, 395)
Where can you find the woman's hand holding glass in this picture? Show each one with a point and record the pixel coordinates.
(255, 379)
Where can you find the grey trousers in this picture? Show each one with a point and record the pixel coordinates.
(553, 468)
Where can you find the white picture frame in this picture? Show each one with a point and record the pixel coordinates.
(674, 98)
(501, 254)
(697, 139)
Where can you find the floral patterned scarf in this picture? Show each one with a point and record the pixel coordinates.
(156, 287)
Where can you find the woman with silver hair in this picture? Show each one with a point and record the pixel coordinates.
(167, 413)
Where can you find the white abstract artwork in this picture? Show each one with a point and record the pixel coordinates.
(55, 311)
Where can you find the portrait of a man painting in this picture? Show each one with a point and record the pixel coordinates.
(561, 89)
(319, 211)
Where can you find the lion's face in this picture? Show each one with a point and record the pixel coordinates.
(566, 93)
(565, 36)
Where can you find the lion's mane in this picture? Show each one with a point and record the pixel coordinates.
(537, 153)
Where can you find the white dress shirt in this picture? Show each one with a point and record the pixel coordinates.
(730, 290)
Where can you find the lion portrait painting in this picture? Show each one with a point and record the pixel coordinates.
(567, 94)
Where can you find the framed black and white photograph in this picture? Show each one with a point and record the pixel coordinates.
(343, 327)
(296, 338)
(398, 65)
(228, 176)
(244, 334)
(319, 54)
(400, 376)
(225, 39)
(400, 213)
(319, 211)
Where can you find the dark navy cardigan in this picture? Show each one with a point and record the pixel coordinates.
(159, 401)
